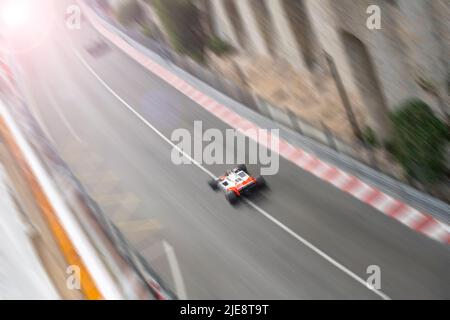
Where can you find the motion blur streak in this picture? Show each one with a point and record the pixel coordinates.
(28, 22)
(252, 204)
(222, 252)
(88, 286)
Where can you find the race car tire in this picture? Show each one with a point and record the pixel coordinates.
(213, 184)
(243, 167)
(261, 182)
(231, 197)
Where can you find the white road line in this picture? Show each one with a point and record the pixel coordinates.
(32, 103)
(253, 205)
(142, 118)
(176, 271)
(55, 107)
(318, 251)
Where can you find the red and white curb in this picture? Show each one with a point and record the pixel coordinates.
(6, 73)
(4, 70)
(391, 207)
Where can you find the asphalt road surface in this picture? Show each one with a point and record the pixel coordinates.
(300, 239)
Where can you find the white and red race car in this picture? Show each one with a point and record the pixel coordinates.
(237, 182)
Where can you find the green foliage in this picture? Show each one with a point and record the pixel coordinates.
(129, 12)
(419, 140)
(147, 31)
(370, 137)
(181, 19)
(218, 46)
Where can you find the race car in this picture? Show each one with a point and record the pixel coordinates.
(236, 183)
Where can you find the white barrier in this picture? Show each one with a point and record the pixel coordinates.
(112, 265)
(105, 283)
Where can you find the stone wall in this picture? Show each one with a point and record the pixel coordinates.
(407, 57)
